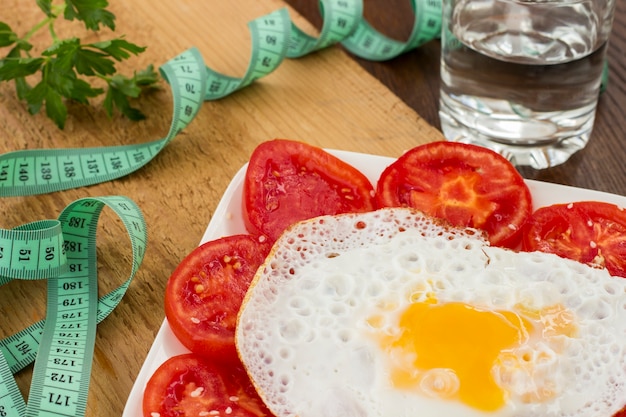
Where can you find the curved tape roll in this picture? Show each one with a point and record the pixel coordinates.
(47, 170)
(63, 251)
(366, 42)
(340, 19)
(274, 37)
(269, 48)
(63, 343)
(32, 251)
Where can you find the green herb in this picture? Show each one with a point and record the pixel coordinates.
(66, 67)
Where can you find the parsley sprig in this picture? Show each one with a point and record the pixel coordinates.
(67, 67)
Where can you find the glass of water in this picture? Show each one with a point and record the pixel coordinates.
(522, 77)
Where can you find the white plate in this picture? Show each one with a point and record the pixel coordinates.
(227, 220)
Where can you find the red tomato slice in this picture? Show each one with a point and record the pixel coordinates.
(465, 184)
(288, 181)
(191, 385)
(591, 232)
(204, 293)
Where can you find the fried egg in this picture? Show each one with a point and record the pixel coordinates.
(393, 313)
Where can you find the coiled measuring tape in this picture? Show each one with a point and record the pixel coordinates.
(63, 251)
(366, 42)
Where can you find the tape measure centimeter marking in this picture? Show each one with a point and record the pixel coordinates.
(366, 42)
(61, 251)
(31, 251)
(43, 171)
(19, 347)
(270, 35)
(11, 400)
(340, 19)
(274, 37)
(40, 171)
(186, 76)
(64, 343)
(62, 370)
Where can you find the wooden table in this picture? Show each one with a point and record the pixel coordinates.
(414, 77)
(329, 99)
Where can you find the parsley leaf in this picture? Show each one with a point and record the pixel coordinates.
(119, 48)
(92, 13)
(122, 88)
(67, 66)
(146, 77)
(7, 36)
(35, 97)
(55, 109)
(45, 6)
(11, 68)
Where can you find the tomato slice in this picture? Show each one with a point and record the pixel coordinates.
(204, 293)
(621, 413)
(191, 385)
(591, 232)
(465, 184)
(287, 181)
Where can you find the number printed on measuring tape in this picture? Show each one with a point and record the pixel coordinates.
(63, 251)
(64, 341)
(43, 171)
(270, 35)
(368, 43)
(274, 38)
(341, 18)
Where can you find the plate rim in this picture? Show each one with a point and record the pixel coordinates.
(223, 214)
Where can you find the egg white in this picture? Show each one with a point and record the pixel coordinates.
(305, 332)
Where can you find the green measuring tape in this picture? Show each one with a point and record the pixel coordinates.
(366, 42)
(63, 251)
(274, 38)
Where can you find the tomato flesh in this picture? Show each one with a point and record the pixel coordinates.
(287, 181)
(467, 185)
(204, 293)
(590, 232)
(191, 385)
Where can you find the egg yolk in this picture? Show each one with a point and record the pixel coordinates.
(451, 349)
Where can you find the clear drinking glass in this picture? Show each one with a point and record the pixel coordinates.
(522, 77)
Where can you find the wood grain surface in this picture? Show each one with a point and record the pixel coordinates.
(325, 99)
(329, 98)
(414, 77)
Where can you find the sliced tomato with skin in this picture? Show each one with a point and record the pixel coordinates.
(590, 232)
(288, 181)
(204, 293)
(191, 385)
(467, 185)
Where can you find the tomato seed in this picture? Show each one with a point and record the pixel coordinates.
(197, 392)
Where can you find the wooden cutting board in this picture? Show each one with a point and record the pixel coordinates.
(325, 99)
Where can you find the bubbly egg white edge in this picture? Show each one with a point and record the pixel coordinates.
(227, 220)
(493, 254)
